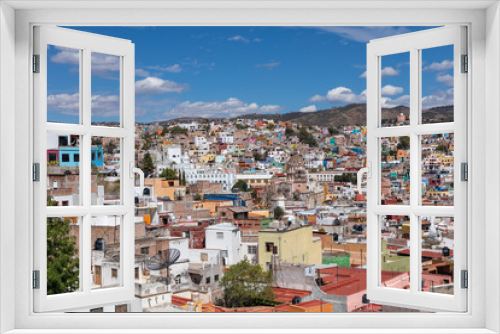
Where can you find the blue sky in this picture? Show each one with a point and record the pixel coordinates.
(227, 71)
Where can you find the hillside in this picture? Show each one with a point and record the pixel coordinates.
(352, 114)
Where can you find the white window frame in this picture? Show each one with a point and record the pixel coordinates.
(85, 43)
(413, 43)
(484, 102)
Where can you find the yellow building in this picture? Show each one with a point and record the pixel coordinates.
(207, 158)
(292, 246)
(162, 187)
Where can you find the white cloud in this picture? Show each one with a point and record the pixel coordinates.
(340, 95)
(105, 105)
(67, 103)
(438, 99)
(238, 38)
(176, 68)
(387, 71)
(232, 107)
(153, 86)
(345, 95)
(101, 63)
(388, 102)
(445, 79)
(310, 108)
(102, 105)
(141, 73)
(391, 90)
(317, 98)
(364, 34)
(269, 66)
(257, 40)
(444, 65)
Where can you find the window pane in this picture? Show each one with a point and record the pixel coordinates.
(437, 84)
(63, 256)
(437, 169)
(395, 259)
(63, 169)
(106, 171)
(437, 254)
(395, 174)
(63, 85)
(105, 238)
(395, 89)
(105, 89)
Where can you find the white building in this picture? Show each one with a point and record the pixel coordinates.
(172, 154)
(226, 138)
(322, 177)
(226, 177)
(201, 143)
(227, 238)
(193, 126)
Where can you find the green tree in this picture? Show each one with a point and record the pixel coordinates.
(111, 147)
(169, 174)
(333, 131)
(175, 130)
(289, 132)
(278, 212)
(240, 127)
(148, 166)
(441, 148)
(242, 185)
(184, 183)
(63, 265)
(244, 285)
(197, 197)
(306, 137)
(404, 143)
(346, 178)
(257, 156)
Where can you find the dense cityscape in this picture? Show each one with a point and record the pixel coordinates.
(251, 215)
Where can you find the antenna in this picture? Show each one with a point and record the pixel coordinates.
(163, 260)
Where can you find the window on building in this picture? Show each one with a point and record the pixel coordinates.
(220, 235)
(65, 157)
(114, 273)
(145, 250)
(252, 249)
(52, 157)
(207, 280)
(121, 308)
(76, 158)
(65, 203)
(216, 278)
(269, 246)
(136, 273)
(97, 310)
(178, 279)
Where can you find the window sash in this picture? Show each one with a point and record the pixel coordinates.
(86, 43)
(413, 42)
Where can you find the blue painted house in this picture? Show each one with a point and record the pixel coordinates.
(69, 156)
(97, 156)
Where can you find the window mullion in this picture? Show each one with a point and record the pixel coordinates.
(414, 168)
(85, 170)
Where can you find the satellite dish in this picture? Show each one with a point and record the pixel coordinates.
(446, 251)
(163, 260)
